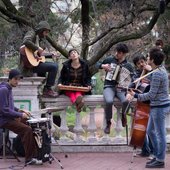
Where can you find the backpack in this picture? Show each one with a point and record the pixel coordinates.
(18, 146)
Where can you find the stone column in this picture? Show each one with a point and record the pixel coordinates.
(63, 127)
(78, 129)
(92, 126)
(118, 138)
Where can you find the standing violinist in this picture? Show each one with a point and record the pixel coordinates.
(140, 62)
(116, 87)
(159, 107)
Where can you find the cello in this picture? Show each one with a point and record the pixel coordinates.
(141, 117)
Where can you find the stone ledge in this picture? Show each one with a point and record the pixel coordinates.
(90, 100)
(95, 148)
(91, 148)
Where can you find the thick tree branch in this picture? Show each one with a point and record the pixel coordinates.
(58, 47)
(112, 39)
(10, 7)
(85, 27)
(14, 17)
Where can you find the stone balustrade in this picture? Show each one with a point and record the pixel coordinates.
(27, 96)
(91, 101)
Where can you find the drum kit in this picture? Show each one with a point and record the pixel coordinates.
(42, 132)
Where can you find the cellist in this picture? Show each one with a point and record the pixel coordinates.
(140, 62)
(159, 107)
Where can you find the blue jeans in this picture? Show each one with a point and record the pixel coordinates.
(109, 94)
(147, 148)
(157, 132)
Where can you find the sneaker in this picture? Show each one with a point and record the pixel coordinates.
(155, 164)
(141, 154)
(50, 93)
(151, 157)
(124, 120)
(33, 161)
(149, 162)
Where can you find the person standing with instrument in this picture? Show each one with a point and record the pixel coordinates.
(159, 107)
(34, 44)
(118, 77)
(75, 72)
(9, 115)
(141, 69)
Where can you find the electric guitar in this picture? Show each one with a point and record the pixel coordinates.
(29, 58)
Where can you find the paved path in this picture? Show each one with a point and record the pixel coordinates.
(87, 161)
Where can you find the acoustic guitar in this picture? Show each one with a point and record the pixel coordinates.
(30, 59)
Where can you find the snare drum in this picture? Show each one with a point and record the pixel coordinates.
(39, 123)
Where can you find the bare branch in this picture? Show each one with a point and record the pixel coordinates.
(14, 17)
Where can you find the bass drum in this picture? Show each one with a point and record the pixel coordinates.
(139, 124)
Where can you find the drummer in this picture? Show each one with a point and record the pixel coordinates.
(9, 115)
(75, 72)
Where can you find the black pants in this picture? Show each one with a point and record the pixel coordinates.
(47, 67)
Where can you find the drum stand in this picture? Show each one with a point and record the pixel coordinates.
(50, 136)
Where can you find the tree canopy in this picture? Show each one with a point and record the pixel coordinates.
(98, 24)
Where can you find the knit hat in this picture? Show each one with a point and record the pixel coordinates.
(14, 73)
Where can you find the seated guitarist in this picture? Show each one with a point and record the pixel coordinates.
(35, 41)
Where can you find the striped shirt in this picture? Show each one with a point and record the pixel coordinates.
(76, 76)
(159, 89)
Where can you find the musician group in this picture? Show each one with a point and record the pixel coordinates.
(121, 81)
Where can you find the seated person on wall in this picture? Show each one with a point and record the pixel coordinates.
(75, 72)
(34, 40)
(9, 117)
(118, 77)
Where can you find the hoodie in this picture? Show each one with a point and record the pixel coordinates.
(33, 36)
(7, 110)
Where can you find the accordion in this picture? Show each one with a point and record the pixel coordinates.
(114, 73)
(119, 74)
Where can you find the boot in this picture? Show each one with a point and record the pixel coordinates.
(107, 128)
(79, 103)
(48, 92)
